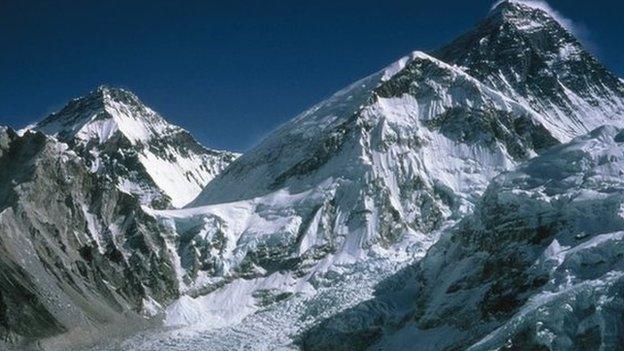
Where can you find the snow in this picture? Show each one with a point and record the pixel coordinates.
(573, 93)
(182, 179)
(151, 307)
(555, 252)
(250, 223)
(94, 227)
(230, 304)
(145, 194)
(102, 130)
(534, 309)
(100, 121)
(23, 131)
(568, 51)
(135, 129)
(399, 65)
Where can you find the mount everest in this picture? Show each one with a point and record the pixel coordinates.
(483, 157)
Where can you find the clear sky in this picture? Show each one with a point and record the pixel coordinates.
(231, 71)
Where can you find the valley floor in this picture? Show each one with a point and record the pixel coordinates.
(273, 327)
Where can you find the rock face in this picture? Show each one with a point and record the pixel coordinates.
(76, 254)
(537, 266)
(146, 156)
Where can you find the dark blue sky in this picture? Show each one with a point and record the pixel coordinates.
(231, 71)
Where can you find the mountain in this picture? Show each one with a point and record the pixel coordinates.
(384, 166)
(139, 150)
(387, 161)
(309, 221)
(525, 53)
(77, 256)
(537, 266)
(80, 256)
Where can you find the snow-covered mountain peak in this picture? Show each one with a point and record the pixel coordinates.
(102, 113)
(524, 50)
(113, 95)
(435, 85)
(530, 19)
(381, 164)
(117, 134)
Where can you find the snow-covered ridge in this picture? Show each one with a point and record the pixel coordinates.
(399, 65)
(381, 165)
(297, 138)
